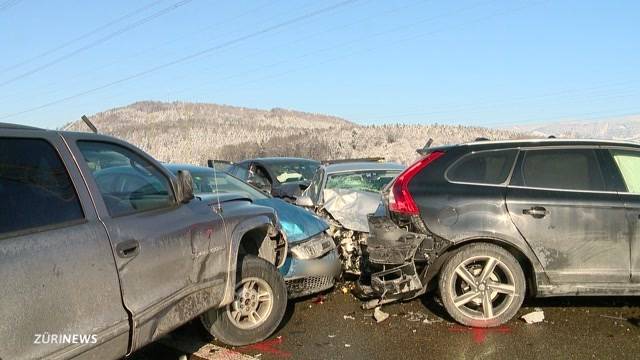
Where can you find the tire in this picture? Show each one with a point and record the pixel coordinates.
(502, 290)
(219, 322)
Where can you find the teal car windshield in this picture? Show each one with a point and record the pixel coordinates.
(207, 183)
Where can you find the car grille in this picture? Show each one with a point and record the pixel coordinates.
(308, 285)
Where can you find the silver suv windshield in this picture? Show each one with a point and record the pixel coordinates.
(370, 180)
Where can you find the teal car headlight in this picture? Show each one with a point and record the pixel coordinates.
(314, 247)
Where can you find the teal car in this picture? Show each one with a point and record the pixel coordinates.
(312, 264)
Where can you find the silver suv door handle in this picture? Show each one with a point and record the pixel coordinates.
(537, 212)
(128, 249)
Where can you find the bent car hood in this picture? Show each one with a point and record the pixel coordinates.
(297, 223)
(351, 207)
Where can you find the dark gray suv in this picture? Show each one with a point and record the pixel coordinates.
(490, 222)
(103, 250)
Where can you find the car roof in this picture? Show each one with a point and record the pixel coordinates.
(18, 127)
(362, 166)
(503, 144)
(273, 160)
(189, 167)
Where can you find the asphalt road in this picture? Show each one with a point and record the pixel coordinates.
(337, 328)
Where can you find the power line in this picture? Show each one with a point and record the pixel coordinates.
(93, 70)
(299, 40)
(9, 4)
(81, 37)
(191, 56)
(555, 95)
(380, 33)
(567, 95)
(587, 116)
(97, 42)
(343, 44)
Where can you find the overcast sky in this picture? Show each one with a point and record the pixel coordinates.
(490, 63)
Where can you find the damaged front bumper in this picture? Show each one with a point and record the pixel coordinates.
(396, 261)
(306, 277)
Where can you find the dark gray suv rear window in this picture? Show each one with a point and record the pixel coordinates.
(34, 187)
(565, 169)
(485, 167)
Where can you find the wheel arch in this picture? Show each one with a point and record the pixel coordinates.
(257, 236)
(525, 261)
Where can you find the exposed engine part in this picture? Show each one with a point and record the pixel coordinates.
(349, 243)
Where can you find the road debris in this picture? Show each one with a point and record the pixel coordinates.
(534, 316)
(380, 315)
(347, 345)
(270, 347)
(320, 299)
(415, 316)
(429, 322)
(613, 317)
(331, 336)
(348, 317)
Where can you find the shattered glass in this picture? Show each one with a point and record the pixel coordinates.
(293, 171)
(372, 181)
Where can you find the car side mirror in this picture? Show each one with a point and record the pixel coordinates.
(185, 186)
(304, 200)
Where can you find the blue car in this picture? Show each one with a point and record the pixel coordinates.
(312, 263)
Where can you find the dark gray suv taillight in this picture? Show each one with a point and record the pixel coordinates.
(399, 198)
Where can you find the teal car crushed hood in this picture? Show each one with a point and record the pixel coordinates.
(298, 224)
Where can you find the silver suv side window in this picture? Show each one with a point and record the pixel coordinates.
(128, 183)
(563, 169)
(35, 188)
(484, 167)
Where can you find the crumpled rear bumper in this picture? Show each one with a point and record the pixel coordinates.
(390, 262)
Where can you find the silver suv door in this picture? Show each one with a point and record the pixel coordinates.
(59, 285)
(162, 248)
(559, 201)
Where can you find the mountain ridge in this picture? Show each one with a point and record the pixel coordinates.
(621, 128)
(194, 132)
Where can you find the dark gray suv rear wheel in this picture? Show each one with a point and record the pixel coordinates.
(482, 285)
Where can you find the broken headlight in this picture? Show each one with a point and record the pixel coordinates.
(314, 247)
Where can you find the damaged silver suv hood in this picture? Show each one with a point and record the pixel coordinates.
(351, 207)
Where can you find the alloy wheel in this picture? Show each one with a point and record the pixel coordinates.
(482, 287)
(252, 304)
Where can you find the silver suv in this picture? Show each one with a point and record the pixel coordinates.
(103, 251)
